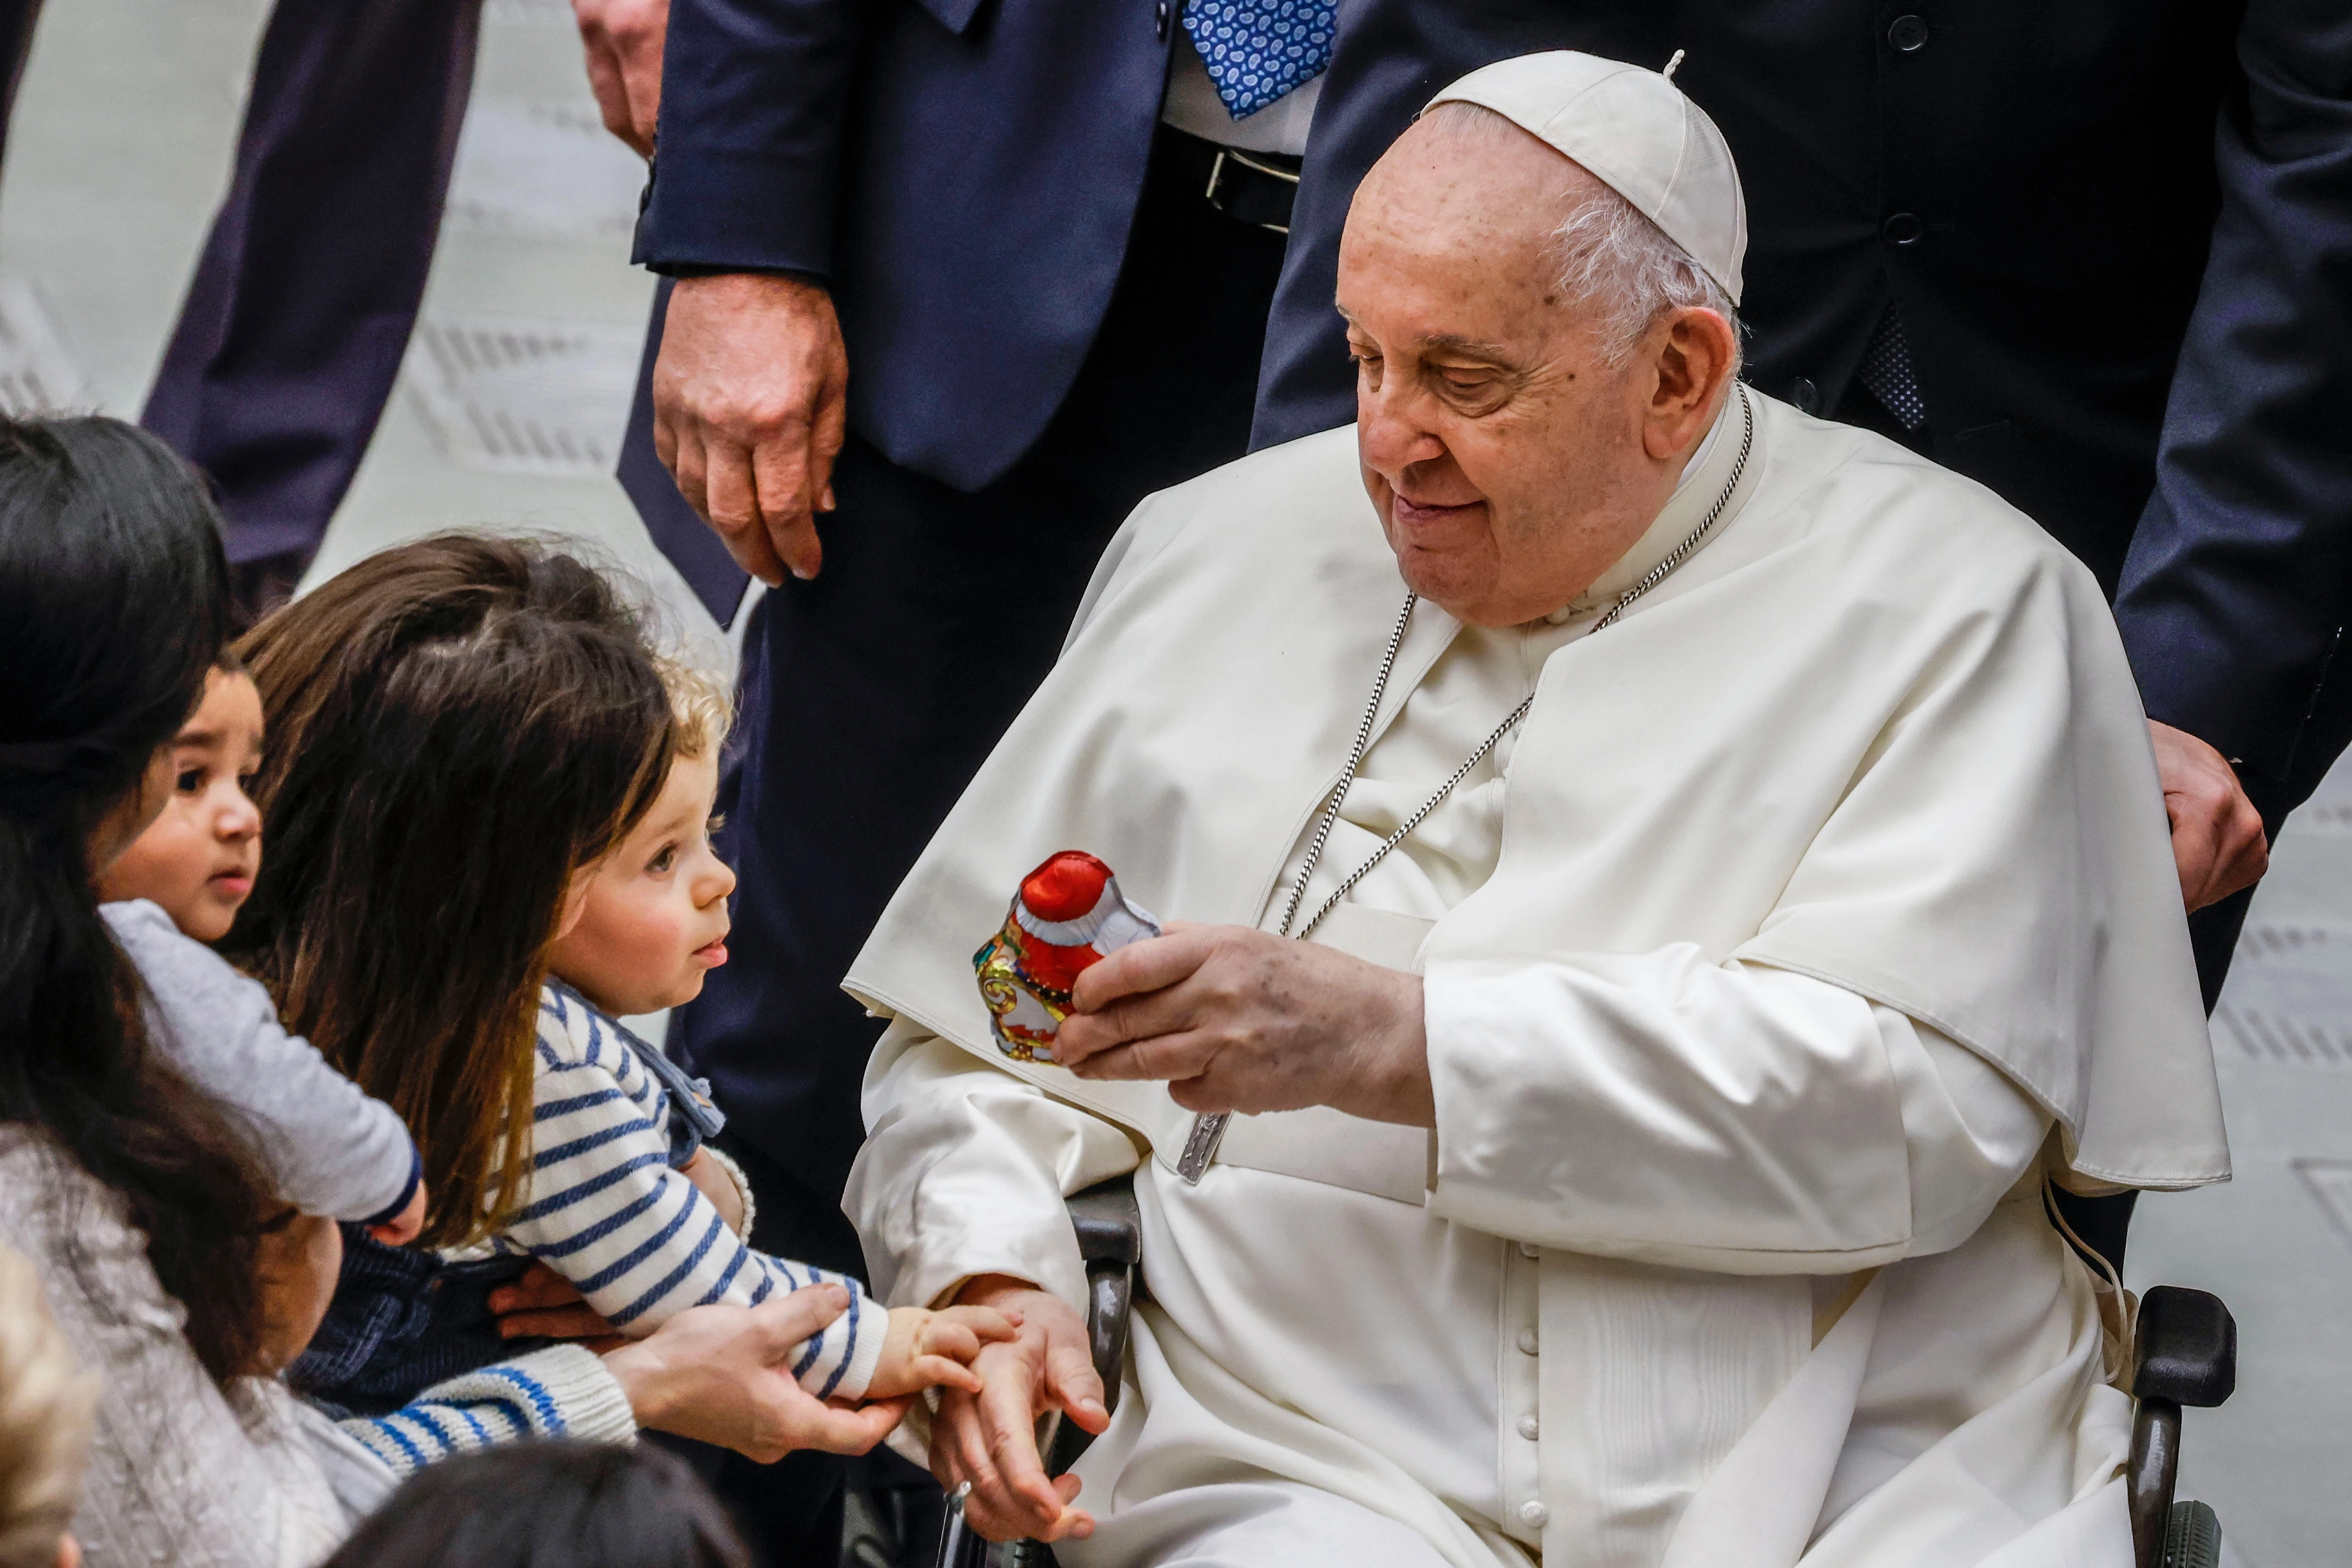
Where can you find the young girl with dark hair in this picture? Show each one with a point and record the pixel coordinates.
(171, 1262)
(332, 1150)
(465, 731)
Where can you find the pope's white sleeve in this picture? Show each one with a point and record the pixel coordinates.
(1733, 1118)
(964, 1170)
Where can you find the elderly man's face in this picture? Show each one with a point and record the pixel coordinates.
(1511, 465)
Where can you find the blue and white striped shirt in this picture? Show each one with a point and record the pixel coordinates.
(558, 1392)
(640, 1241)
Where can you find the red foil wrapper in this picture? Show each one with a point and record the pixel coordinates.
(1068, 914)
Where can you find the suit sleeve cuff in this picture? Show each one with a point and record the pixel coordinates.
(716, 211)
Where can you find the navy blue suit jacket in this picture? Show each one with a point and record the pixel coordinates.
(961, 172)
(2130, 314)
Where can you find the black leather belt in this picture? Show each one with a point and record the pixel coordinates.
(1254, 188)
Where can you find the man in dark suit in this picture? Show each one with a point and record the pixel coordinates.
(973, 279)
(949, 269)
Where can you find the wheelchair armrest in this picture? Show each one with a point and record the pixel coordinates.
(1109, 1222)
(2184, 1349)
(1111, 1242)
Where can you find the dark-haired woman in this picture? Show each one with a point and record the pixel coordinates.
(543, 1504)
(173, 1268)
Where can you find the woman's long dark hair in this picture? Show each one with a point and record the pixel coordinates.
(564, 1504)
(456, 726)
(113, 603)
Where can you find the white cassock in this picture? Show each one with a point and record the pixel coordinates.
(1819, 907)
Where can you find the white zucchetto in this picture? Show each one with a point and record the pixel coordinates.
(1636, 133)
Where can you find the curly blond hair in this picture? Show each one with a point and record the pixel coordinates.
(705, 709)
(47, 1407)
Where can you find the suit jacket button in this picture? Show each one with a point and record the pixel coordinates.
(1805, 395)
(1904, 228)
(1908, 34)
(1159, 21)
(1533, 1514)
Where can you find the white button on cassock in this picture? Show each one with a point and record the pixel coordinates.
(1529, 1427)
(1529, 1250)
(1533, 1514)
(1528, 1341)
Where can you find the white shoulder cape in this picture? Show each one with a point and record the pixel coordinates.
(1879, 730)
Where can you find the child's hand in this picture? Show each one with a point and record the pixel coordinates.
(925, 1349)
(405, 1226)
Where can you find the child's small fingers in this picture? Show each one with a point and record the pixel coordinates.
(941, 1372)
(950, 1340)
(990, 1324)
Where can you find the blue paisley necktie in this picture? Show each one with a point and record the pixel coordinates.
(1256, 50)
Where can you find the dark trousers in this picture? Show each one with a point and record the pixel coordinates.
(302, 302)
(871, 695)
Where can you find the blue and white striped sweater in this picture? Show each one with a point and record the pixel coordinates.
(559, 1392)
(642, 1244)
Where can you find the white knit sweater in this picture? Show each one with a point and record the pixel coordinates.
(177, 1475)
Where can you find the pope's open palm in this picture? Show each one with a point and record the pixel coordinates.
(991, 1438)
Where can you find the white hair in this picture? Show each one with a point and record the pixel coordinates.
(1616, 267)
(1624, 272)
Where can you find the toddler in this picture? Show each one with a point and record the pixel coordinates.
(334, 1150)
(477, 726)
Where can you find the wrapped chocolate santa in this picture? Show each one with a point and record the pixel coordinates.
(1068, 914)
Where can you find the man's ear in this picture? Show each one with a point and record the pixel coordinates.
(1696, 350)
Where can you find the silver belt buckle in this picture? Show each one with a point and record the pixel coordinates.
(1217, 179)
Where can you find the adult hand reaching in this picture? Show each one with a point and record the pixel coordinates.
(750, 406)
(1238, 1019)
(2218, 842)
(541, 1304)
(989, 1439)
(623, 39)
(724, 1375)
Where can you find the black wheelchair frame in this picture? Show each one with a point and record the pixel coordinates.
(2185, 1353)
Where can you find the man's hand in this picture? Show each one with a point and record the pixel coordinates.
(2218, 842)
(541, 1304)
(989, 1439)
(624, 43)
(1237, 1019)
(751, 406)
(724, 1375)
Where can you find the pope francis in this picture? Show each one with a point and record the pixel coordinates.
(1658, 888)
